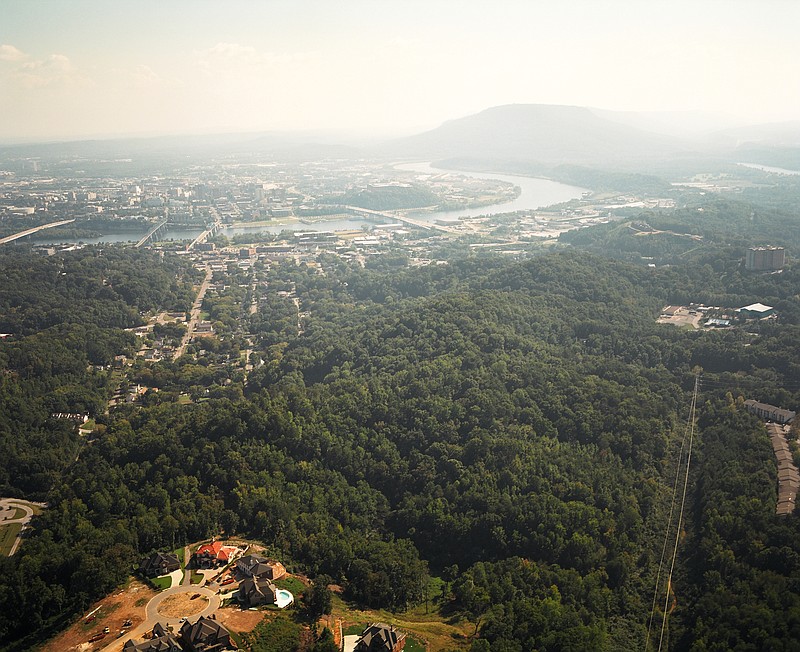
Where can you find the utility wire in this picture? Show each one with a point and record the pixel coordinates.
(683, 504)
(668, 529)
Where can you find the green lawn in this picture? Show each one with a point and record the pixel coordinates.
(354, 629)
(179, 554)
(161, 583)
(18, 512)
(8, 534)
(196, 577)
(291, 584)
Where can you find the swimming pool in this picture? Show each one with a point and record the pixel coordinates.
(283, 598)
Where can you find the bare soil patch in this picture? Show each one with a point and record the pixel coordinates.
(124, 604)
(238, 620)
(175, 606)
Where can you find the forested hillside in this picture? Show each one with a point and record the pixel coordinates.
(64, 317)
(510, 427)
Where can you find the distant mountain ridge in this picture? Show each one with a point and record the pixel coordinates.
(531, 137)
(549, 134)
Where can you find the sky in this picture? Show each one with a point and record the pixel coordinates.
(100, 68)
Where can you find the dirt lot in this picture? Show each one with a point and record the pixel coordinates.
(114, 610)
(175, 606)
(239, 621)
(129, 603)
(681, 316)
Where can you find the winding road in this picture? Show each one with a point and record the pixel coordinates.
(8, 510)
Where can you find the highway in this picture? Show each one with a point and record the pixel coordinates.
(36, 229)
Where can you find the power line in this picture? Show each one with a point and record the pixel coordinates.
(719, 383)
(686, 443)
(669, 521)
(683, 505)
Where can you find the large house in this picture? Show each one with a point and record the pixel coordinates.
(159, 563)
(255, 591)
(205, 635)
(162, 641)
(380, 637)
(258, 566)
(214, 554)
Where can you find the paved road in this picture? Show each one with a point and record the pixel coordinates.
(152, 616)
(187, 573)
(8, 507)
(195, 315)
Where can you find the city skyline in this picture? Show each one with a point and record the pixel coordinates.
(89, 69)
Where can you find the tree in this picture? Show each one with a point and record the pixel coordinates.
(317, 600)
(325, 642)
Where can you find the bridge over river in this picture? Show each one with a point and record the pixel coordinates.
(36, 229)
(152, 233)
(428, 226)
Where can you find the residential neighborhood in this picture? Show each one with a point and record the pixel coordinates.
(225, 586)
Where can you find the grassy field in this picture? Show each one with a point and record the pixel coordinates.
(431, 631)
(8, 534)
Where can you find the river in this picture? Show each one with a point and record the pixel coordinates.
(535, 193)
(768, 168)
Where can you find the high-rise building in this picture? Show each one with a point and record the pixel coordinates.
(765, 258)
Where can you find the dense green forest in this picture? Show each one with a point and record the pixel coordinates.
(65, 317)
(383, 198)
(511, 427)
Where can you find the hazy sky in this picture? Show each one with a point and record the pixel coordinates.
(72, 68)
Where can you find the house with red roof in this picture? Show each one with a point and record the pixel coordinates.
(215, 554)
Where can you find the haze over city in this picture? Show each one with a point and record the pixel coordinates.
(95, 69)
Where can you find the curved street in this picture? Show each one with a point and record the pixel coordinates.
(152, 615)
(8, 507)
